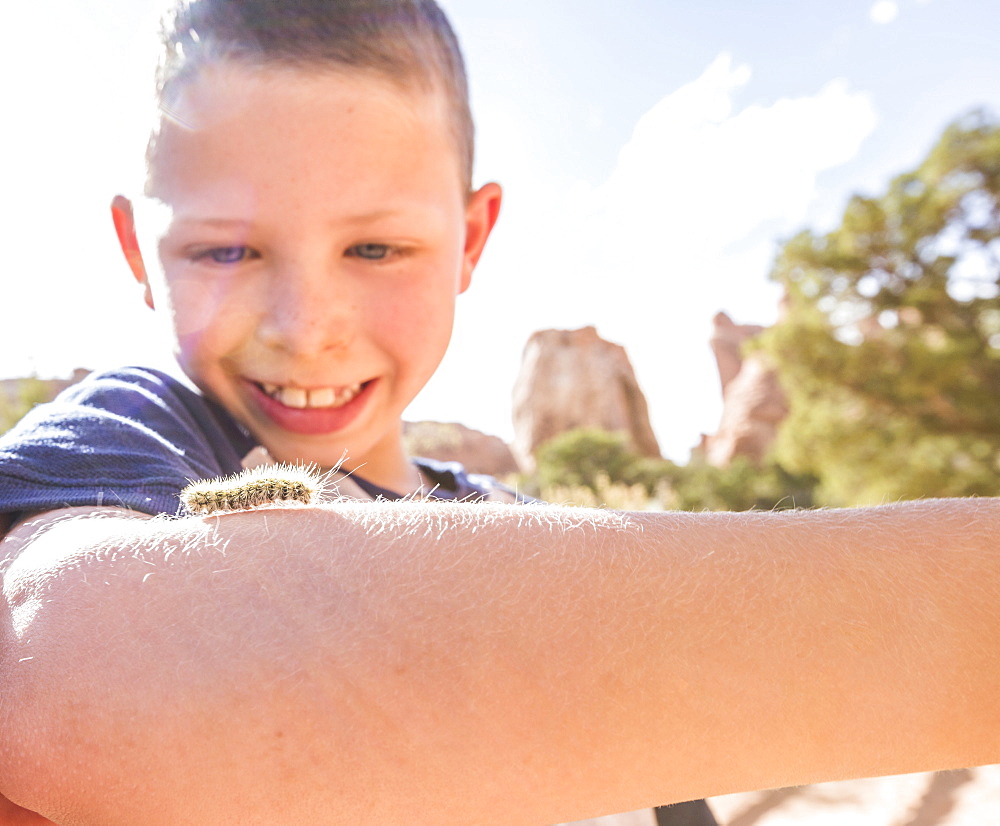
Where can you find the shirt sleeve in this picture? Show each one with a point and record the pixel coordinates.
(131, 438)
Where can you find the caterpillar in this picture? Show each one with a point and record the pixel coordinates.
(253, 488)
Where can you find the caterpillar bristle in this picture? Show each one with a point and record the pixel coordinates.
(254, 488)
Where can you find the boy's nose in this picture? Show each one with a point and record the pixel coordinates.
(309, 313)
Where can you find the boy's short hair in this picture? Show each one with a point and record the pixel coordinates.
(409, 42)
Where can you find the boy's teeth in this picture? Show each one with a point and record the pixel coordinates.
(300, 398)
(322, 397)
(294, 397)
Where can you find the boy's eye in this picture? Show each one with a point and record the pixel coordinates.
(226, 255)
(371, 252)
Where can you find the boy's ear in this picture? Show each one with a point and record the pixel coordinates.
(124, 218)
(481, 215)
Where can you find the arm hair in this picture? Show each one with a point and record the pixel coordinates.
(375, 662)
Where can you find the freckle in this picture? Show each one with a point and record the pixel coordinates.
(279, 734)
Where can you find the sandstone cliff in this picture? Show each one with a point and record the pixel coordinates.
(571, 379)
(478, 452)
(754, 404)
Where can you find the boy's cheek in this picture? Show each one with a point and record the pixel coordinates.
(199, 305)
(419, 318)
(194, 313)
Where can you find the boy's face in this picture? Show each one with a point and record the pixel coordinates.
(308, 235)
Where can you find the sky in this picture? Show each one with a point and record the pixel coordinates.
(653, 154)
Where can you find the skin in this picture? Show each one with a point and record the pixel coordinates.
(321, 274)
(389, 663)
(386, 663)
(309, 230)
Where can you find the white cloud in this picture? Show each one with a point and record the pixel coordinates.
(884, 11)
(684, 226)
(702, 177)
(686, 223)
(72, 146)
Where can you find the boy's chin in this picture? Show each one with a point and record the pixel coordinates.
(287, 451)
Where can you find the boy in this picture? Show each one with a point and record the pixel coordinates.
(307, 223)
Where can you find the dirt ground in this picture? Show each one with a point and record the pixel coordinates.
(968, 797)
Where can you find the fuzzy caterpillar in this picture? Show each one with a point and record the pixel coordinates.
(253, 488)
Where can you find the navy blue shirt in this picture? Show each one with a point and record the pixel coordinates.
(134, 437)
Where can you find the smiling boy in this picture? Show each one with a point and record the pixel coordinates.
(307, 224)
(316, 234)
(315, 226)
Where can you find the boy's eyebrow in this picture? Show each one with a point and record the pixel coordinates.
(420, 210)
(224, 223)
(242, 223)
(370, 217)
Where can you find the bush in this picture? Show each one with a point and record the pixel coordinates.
(598, 469)
(19, 397)
(593, 458)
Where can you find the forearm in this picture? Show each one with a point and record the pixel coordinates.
(362, 662)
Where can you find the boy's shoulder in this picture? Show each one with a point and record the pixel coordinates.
(134, 437)
(452, 481)
(127, 392)
(130, 437)
(443, 481)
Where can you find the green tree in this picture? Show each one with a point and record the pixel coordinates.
(590, 457)
(889, 348)
(741, 486)
(595, 467)
(18, 396)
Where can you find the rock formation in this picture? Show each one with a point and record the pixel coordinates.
(571, 379)
(479, 452)
(754, 404)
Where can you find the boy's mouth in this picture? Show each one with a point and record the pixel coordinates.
(312, 411)
(318, 397)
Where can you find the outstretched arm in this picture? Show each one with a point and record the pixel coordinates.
(359, 663)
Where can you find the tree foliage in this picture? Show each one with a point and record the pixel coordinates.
(19, 396)
(594, 467)
(889, 348)
(591, 457)
(741, 486)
